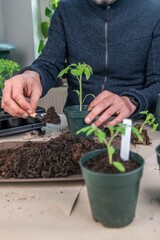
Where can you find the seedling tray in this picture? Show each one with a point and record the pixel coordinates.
(12, 145)
(10, 125)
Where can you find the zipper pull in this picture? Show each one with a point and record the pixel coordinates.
(108, 13)
(108, 8)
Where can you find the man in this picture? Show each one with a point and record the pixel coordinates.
(119, 39)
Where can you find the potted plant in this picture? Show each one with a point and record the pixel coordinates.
(75, 114)
(112, 184)
(148, 120)
(7, 69)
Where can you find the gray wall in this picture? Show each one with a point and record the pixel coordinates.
(16, 28)
(1, 24)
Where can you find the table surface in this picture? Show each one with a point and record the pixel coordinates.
(60, 211)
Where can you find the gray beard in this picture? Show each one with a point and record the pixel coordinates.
(105, 1)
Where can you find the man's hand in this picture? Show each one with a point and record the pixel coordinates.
(17, 89)
(107, 105)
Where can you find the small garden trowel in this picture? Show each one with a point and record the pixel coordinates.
(37, 116)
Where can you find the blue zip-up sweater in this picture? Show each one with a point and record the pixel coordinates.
(121, 42)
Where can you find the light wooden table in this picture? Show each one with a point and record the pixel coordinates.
(60, 211)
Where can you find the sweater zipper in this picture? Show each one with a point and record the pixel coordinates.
(106, 55)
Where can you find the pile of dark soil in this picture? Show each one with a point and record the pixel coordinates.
(51, 116)
(57, 157)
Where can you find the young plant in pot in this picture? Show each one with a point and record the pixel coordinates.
(75, 114)
(112, 183)
(7, 69)
(148, 120)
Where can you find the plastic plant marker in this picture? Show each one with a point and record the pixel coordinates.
(126, 140)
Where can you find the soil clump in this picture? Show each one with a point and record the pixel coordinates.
(51, 116)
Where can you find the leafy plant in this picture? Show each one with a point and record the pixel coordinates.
(149, 120)
(114, 131)
(78, 70)
(49, 11)
(7, 69)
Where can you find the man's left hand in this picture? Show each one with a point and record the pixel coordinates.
(107, 105)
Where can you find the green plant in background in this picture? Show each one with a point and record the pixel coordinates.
(149, 120)
(7, 69)
(78, 70)
(49, 11)
(114, 131)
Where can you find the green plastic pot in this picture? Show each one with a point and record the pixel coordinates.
(75, 118)
(158, 154)
(112, 197)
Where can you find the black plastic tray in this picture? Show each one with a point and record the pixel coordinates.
(10, 125)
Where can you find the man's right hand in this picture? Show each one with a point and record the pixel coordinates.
(17, 89)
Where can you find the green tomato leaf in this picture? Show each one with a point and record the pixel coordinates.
(153, 120)
(2, 67)
(1, 82)
(49, 12)
(45, 29)
(100, 134)
(154, 127)
(77, 91)
(41, 46)
(74, 72)
(87, 73)
(121, 128)
(137, 133)
(83, 130)
(144, 112)
(8, 69)
(111, 128)
(90, 131)
(54, 4)
(119, 166)
(111, 150)
(64, 71)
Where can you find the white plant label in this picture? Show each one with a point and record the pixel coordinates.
(126, 140)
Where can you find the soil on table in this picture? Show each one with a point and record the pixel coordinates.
(146, 138)
(103, 165)
(51, 116)
(58, 157)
